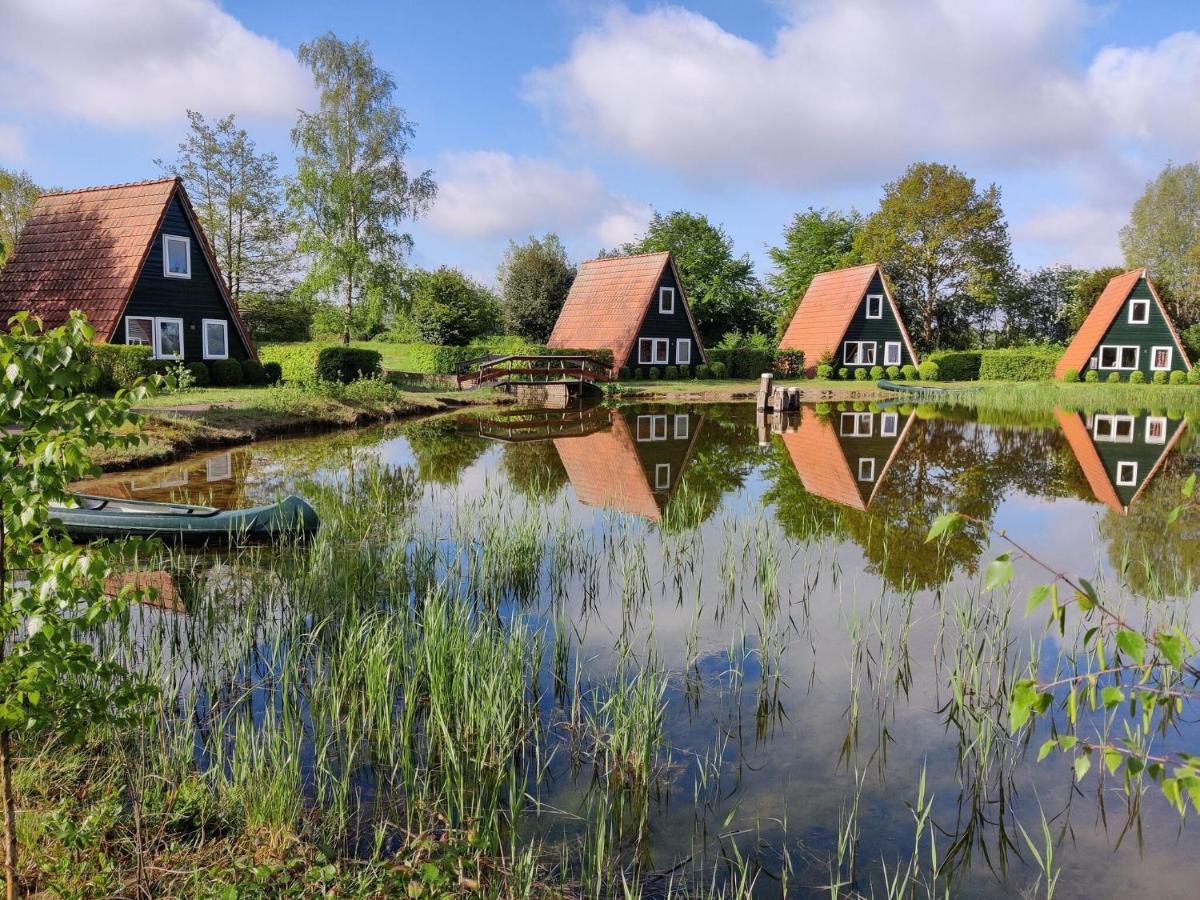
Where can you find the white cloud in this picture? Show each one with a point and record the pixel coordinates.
(12, 143)
(1081, 235)
(1149, 93)
(485, 194)
(143, 62)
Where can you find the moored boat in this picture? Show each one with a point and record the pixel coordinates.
(109, 517)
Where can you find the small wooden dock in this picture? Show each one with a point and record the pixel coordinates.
(775, 399)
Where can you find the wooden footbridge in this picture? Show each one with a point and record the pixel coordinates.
(541, 370)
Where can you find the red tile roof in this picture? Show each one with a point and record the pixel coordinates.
(605, 470)
(608, 301)
(84, 249)
(1108, 307)
(824, 313)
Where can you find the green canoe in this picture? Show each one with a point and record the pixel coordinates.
(100, 517)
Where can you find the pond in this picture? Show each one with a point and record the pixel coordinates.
(740, 663)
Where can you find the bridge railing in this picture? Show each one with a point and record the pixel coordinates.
(546, 368)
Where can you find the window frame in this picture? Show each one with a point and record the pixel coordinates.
(654, 421)
(887, 346)
(683, 344)
(1112, 420)
(878, 298)
(1119, 348)
(659, 485)
(664, 293)
(1170, 358)
(224, 472)
(681, 434)
(859, 345)
(159, 322)
(1132, 480)
(140, 343)
(869, 477)
(654, 343)
(856, 417)
(187, 245)
(1161, 421)
(204, 323)
(1145, 304)
(889, 424)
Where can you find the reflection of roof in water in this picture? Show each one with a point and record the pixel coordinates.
(605, 470)
(1099, 479)
(824, 463)
(160, 581)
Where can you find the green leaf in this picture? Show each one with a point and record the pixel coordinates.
(1046, 749)
(1037, 597)
(1112, 760)
(1081, 765)
(1112, 696)
(945, 525)
(1171, 647)
(1132, 645)
(999, 572)
(1189, 486)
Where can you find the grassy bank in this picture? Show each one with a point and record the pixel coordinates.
(688, 390)
(1017, 396)
(177, 424)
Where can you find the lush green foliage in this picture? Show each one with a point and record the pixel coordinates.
(347, 364)
(1163, 234)
(1024, 364)
(816, 240)
(825, 371)
(744, 355)
(929, 370)
(18, 193)
(272, 372)
(226, 372)
(1071, 375)
(253, 373)
(788, 363)
(535, 278)
(449, 308)
(1087, 291)
(958, 365)
(200, 374)
(118, 366)
(276, 317)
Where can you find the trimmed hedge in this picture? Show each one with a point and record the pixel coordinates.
(347, 364)
(253, 372)
(1022, 364)
(120, 365)
(1178, 377)
(200, 376)
(273, 372)
(1071, 375)
(957, 365)
(226, 373)
(824, 371)
(929, 370)
(788, 363)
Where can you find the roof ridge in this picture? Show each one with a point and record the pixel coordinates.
(626, 256)
(111, 187)
(870, 265)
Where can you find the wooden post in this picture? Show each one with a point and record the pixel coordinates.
(764, 390)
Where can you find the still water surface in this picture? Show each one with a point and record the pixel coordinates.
(812, 638)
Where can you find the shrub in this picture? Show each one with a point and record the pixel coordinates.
(639, 374)
(789, 363)
(1113, 378)
(655, 373)
(276, 317)
(1140, 377)
(252, 372)
(226, 373)
(824, 371)
(908, 372)
(893, 372)
(298, 362)
(1092, 376)
(718, 370)
(1071, 375)
(860, 374)
(120, 365)
(876, 372)
(1177, 377)
(702, 370)
(199, 373)
(1193, 375)
(844, 373)
(958, 365)
(273, 372)
(672, 373)
(347, 364)
(623, 373)
(450, 308)
(1022, 364)
(929, 370)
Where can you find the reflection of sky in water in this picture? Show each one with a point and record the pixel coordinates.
(790, 766)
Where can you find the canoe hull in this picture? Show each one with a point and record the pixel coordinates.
(291, 516)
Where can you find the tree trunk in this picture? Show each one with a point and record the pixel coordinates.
(10, 817)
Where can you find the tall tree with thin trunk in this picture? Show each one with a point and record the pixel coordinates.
(352, 189)
(238, 196)
(944, 244)
(18, 193)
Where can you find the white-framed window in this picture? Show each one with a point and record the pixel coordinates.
(683, 351)
(1139, 312)
(874, 306)
(1126, 474)
(1113, 429)
(857, 424)
(889, 424)
(682, 426)
(139, 331)
(168, 338)
(651, 428)
(1156, 430)
(177, 256)
(662, 476)
(666, 300)
(653, 351)
(216, 338)
(219, 468)
(891, 353)
(1160, 358)
(1117, 356)
(858, 353)
(866, 469)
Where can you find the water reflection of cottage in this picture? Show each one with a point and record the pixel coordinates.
(1120, 452)
(636, 465)
(845, 456)
(215, 479)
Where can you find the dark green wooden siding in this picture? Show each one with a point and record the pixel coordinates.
(682, 429)
(1139, 451)
(673, 326)
(876, 446)
(1154, 333)
(881, 331)
(191, 299)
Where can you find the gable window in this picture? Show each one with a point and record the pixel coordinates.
(662, 476)
(1156, 430)
(1115, 356)
(139, 331)
(1160, 358)
(177, 256)
(1126, 474)
(1113, 429)
(651, 428)
(666, 299)
(858, 353)
(889, 424)
(866, 469)
(1139, 312)
(219, 468)
(168, 338)
(874, 306)
(653, 351)
(682, 425)
(857, 424)
(891, 353)
(683, 351)
(216, 339)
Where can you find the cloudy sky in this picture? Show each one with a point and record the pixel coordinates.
(583, 117)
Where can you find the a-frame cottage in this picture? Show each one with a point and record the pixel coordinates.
(1120, 453)
(1127, 331)
(851, 314)
(633, 306)
(133, 258)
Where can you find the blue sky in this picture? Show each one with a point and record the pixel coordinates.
(581, 117)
